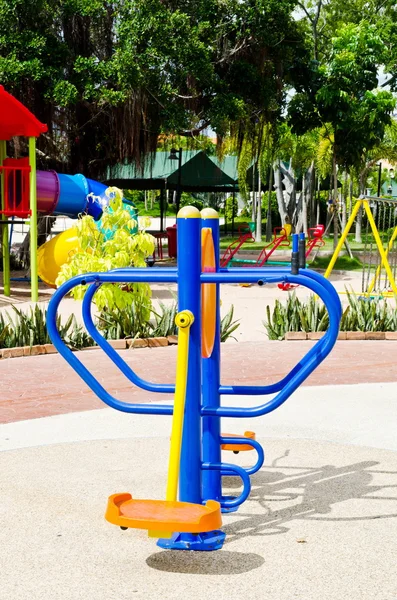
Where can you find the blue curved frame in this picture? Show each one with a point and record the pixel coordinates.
(285, 387)
(201, 465)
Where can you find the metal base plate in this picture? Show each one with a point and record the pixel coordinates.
(201, 542)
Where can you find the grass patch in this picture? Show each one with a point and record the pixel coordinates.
(343, 263)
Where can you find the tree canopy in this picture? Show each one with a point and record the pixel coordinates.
(108, 77)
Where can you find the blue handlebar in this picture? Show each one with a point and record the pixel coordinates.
(285, 387)
(308, 363)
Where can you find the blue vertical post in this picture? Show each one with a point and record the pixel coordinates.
(212, 482)
(302, 250)
(189, 298)
(295, 254)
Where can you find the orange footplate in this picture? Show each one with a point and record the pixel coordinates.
(250, 435)
(161, 515)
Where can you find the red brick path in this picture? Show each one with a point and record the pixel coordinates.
(41, 386)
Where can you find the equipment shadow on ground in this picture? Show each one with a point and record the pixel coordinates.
(205, 563)
(315, 492)
(309, 494)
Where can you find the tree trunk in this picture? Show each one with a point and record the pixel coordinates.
(253, 205)
(350, 195)
(269, 228)
(359, 220)
(313, 199)
(278, 186)
(258, 235)
(335, 202)
(344, 197)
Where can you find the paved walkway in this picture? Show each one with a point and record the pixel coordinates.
(40, 386)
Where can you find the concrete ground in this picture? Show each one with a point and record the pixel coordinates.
(321, 520)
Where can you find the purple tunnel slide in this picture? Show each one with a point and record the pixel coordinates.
(68, 195)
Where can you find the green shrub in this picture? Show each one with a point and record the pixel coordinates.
(30, 329)
(113, 246)
(368, 314)
(120, 324)
(295, 315)
(228, 326)
(361, 314)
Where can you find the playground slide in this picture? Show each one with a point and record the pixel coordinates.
(54, 253)
(66, 195)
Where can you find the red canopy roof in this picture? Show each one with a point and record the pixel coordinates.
(16, 119)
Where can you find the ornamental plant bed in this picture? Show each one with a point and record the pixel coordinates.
(362, 319)
(343, 335)
(123, 344)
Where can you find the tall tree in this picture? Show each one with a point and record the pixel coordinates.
(342, 98)
(108, 77)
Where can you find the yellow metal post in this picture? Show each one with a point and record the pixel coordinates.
(378, 270)
(184, 320)
(382, 253)
(4, 229)
(342, 239)
(34, 286)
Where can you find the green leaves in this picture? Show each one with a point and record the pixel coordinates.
(114, 246)
(341, 95)
(361, 314)
(228, 325)
(295, 315)
(30, 329)
(133, 323)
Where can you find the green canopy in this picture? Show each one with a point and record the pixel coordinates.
(199, 173)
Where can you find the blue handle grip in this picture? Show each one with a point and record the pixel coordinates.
(228, 469)
(247, 442)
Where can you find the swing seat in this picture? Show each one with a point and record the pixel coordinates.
(162, 515)
(250, 435)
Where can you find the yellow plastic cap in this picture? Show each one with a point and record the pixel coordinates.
(183, 319)
(209, 213)
(189, 212)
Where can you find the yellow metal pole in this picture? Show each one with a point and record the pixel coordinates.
(342, 239)
(382, 253)
(184, 320)
(34, 285)
(378, 270)
(4, 229)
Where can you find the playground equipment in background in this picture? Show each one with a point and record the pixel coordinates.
(59, 250)
(53, 254)
(25, 191)
(194, 519)
(281, 239)
(315, 240)
(379, 256)
(245, 231)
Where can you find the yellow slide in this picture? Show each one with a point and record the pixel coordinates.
(56, 252)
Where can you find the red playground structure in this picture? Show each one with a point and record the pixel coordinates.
(281, 239)
(315, 240)
(245, 231)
